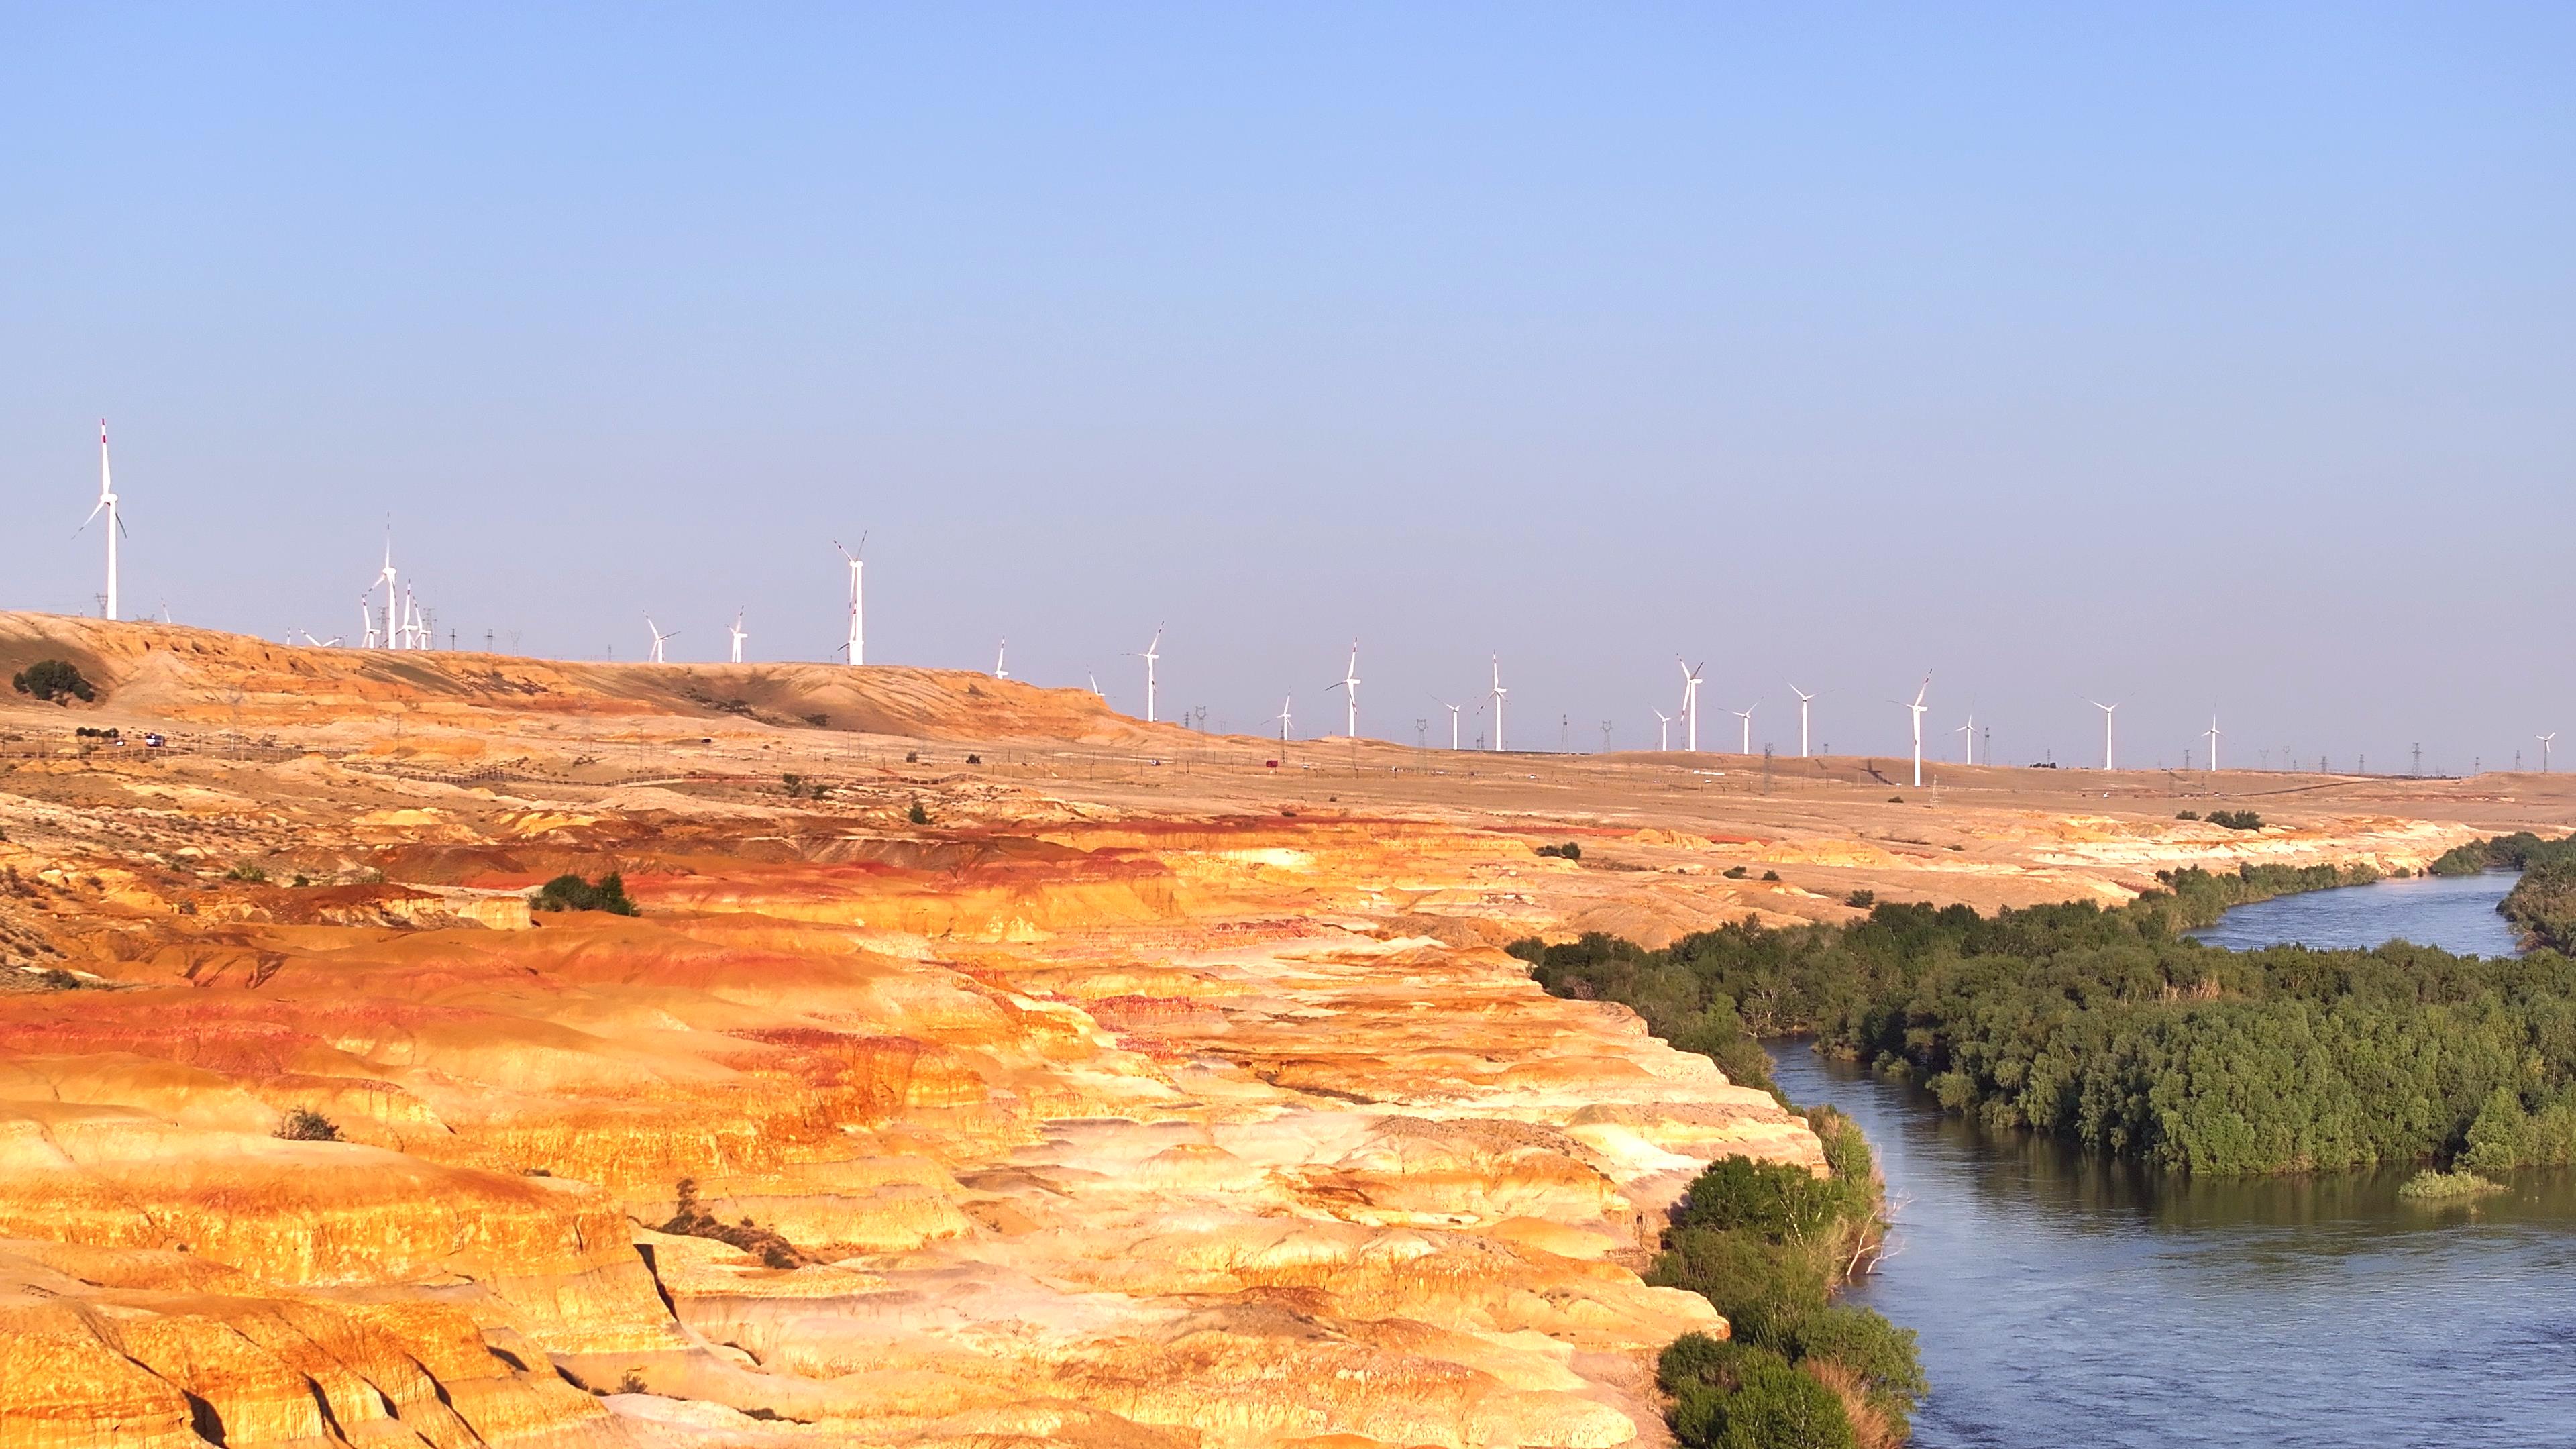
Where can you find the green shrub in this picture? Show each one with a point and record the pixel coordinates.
(1570, 850)
(1770, 875)
(1861, 900)
(1778, 1201)
(51, 680)
(1736, 872)
(303, 1124)
(917, 815)
(2431, 1185)
(1732, 1395)
(2236, 819)
(572, 893)
(2186, 815)
(691, 1219)
(248, 874)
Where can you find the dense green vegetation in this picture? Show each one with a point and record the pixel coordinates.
(2543, 905)
(53, 679)
(572, 893)
(2518, 851)
(2108, 1029)
(1766, 1244)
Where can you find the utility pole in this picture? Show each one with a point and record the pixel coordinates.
(2419, 759)
(1605, 737)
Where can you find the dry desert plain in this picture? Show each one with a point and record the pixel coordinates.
(1148, 1094)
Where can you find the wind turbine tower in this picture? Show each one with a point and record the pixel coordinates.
(1350, 687)
(393, 598)
(2106, 727)
(659, 638)
(1453, 719)
(856, 646)
(1284, 701)
(1001, 651)
(1967, 741)
(1804, 699)
(1152, 653)
(1690, 704)
(106, 504)
(1499, 692)
(1917, 707)
(2212, 733)
(1663, 730)
(1746, 715)
(2544, 749)
(738, 636)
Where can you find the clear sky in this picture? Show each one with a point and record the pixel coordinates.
(2205, 358)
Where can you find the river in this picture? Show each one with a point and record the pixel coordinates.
(2062, 1300)
(2456, 913)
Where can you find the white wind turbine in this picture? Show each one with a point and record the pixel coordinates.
(856, 646)
(1284, 701)
(2212, 734)
(1804, 699)
(1001, 651)
(367, 617)
(1499, 692)
(106, 504)
(658, 639)
(1350, 687)
(2106, 727)
(1917, 708)
(1967, 734)
(1152, 653)
(1453, 718)
(1690, 703)
(390, 582)
(1663, 730)
(737, 635)
(1746, 715)
(2544, 749)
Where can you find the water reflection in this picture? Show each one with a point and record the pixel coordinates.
(2063, 1299)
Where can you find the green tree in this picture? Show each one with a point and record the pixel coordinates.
(51, 680)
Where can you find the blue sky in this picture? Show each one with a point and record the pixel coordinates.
(2208, 358)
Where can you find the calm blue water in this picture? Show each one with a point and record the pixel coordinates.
(2456, 913)
(2061, 1300)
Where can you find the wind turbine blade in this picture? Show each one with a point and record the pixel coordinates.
(95, 510)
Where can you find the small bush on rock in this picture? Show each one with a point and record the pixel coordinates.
(572, 893)
(303, 1124)
(691, 1219)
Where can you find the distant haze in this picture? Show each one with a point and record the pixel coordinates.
(2200, 358)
